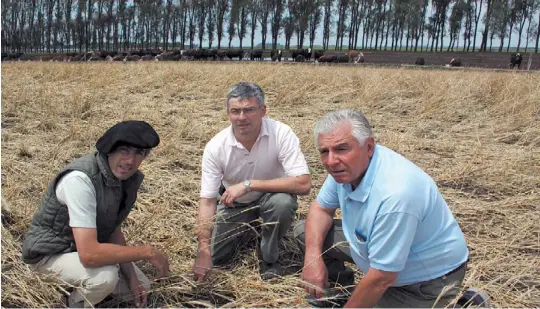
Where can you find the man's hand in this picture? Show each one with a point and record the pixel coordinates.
(139, 293)
(203, 265)
(315, 274)
(160, 261)
(232, 193)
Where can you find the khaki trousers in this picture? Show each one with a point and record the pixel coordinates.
(92, 285)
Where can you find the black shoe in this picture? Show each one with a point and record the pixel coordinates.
(474, 297)
(271, 270)
(332, 298)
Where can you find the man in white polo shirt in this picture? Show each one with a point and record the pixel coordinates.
(258, 164)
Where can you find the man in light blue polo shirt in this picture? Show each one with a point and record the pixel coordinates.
(398, 228)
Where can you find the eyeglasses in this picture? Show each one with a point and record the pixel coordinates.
(246, 111)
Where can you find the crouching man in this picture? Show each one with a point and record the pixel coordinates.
(76, 232)
(396, 226)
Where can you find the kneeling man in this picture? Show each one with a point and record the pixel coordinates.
(396, 226)
(76, 232)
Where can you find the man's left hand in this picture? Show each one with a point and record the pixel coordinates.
(232, 193)
(139, 293)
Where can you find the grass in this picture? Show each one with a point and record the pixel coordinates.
(477, 133)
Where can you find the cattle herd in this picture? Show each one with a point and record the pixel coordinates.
(198, 54)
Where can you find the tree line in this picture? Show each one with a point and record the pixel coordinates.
(410, 25)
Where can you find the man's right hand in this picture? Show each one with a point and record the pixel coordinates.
(203, 265)
(315, 274)
(160, 261)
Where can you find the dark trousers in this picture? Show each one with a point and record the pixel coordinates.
(277, 211)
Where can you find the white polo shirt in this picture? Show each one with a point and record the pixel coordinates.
(275, 154)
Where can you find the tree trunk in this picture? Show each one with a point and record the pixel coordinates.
(537, 35)
(476, 20)
(520, 31)
(483, 46)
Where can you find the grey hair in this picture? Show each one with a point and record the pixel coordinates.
(360, 126)
(246, 90)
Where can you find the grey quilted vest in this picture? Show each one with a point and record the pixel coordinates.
(50, 232)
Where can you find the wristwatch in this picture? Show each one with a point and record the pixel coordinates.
(247, 183)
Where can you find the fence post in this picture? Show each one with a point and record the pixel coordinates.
(529, 62)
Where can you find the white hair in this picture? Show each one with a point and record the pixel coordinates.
(360, 127)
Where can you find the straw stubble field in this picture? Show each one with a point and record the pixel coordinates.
(476, 133)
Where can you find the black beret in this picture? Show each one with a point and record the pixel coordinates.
(135, 133)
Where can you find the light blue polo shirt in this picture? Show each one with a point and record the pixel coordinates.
(396, 220)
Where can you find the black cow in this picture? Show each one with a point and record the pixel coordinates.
(275, 55)
(343, 58)
(304, 52)
(221, 54)
(235, 53)
(420, 61)
(199, 53)
(318, 53)
(516, 59)
(256, 54)
(300, 58)
(11, 56)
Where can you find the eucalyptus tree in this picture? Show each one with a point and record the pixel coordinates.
(254, 11)
(233, 17)
(397, 22)
(288, 24)
(328, 12)
(201, 12)
(222, 7)
(537, 34)
(265, 6)
(499, 21)
(242, 19)
(276, 14)
(487, 17)
(468, 31)
(439, 21)
(314, 20)
(455, 23)
(341, 25)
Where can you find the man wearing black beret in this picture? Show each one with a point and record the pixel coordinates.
(76, 232)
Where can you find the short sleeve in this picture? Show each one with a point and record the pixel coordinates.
(328, 194)
(290, 155)
(211, 175)
(76, 191)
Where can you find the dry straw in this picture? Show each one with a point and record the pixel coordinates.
(476, 133)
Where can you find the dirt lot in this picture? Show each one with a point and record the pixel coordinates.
(476, 133)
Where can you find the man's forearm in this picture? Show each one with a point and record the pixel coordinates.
(370, 289)
(127, 269)
(205, 219)
(299, 185)
(109, 254)
(318, 224)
